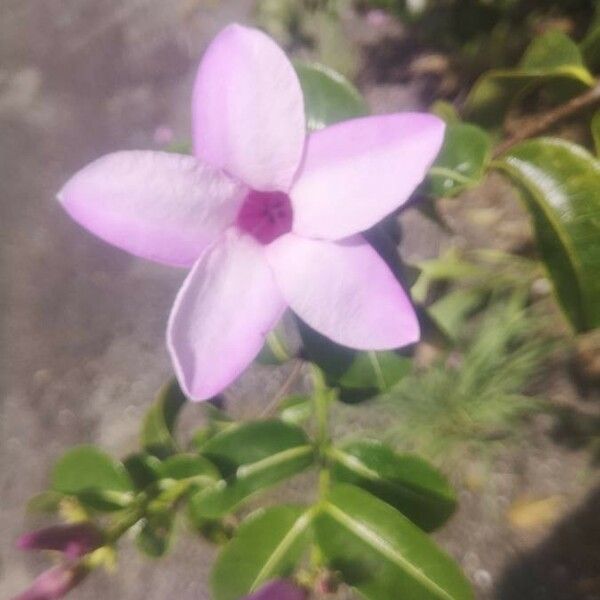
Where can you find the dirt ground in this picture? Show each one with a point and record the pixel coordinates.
(82, 324)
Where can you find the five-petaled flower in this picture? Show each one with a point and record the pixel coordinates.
(265, 215)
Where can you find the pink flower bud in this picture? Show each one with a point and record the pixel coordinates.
(74, 540)
(54, 583)
(279, 589)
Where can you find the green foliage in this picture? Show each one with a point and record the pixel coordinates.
(358, 375)
(268, 545)
(595, 127)
(560, 183)
(157, 430)
(405, 481)
(250, 457)
(550, 59)
(462, 162)
(379, 551)
(473, 395)
(328, 96)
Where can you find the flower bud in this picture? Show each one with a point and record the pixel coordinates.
(54, 583)
(74, 540)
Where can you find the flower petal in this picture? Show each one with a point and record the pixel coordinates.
(356, 172)
(226, 307)
(248, 110)
(344, 290)
(54, 583)
(162, 206)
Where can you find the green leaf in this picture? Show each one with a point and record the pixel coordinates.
(188, 466)
(328, 96)
(462, 161)
(590, 45)
(250, 457)
(380, 552)
(86, 468)
(596, 132)
(268, 545)
(159, 422)
(452, 309)
(45, 502)
(560, 182)
(295, 409)
(144, 469)
(552, 57)
(154, 537)
(407, 482)
(94, 477)
(359, 375)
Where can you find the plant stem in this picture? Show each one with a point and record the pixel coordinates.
(552, 117)
(321, 403)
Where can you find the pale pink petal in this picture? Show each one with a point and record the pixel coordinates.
(162, 206)
(344, 290)
(356, 172)
(226, 307)
(248, 110)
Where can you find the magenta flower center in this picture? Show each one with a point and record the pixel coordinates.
(265, 215)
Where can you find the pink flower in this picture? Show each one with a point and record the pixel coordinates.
(73, 540)
(266, 216)
(53, 583)
(279, 589)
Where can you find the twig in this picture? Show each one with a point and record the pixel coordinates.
(551, 118)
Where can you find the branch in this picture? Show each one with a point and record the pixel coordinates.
(549, 119)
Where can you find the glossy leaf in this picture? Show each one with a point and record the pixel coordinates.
(266, 546)
(359, 375)
(159, 422)
(462, 161)
(154, 537)
(552, 57)
(250, 457)
(407, 482)
(380, 552)
(560, 182)
(596, 132)
(328, 96)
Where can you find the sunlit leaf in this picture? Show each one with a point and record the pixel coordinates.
(452, 309)
(462, 161)
(552, 57)
(407, 482)
(159, 422)
(560, 182)
(380, 552)
(266, 546)
(250, 456)
(328, 96)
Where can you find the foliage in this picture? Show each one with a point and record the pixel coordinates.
(472, 394)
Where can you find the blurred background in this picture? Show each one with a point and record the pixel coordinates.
(82, 324)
